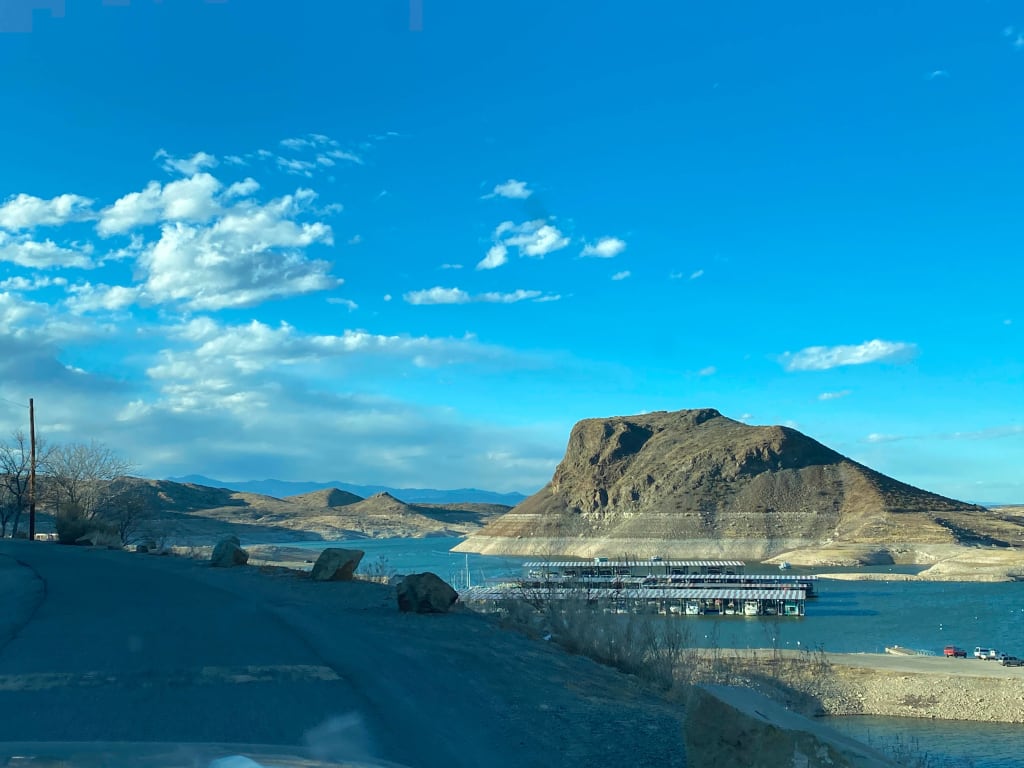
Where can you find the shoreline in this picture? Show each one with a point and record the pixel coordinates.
(851, 684)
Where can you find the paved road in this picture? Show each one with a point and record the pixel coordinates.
(126, 647)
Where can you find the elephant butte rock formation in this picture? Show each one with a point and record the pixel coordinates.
(697, 484)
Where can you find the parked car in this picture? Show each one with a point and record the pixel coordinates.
(985, 653)
(953, 652)
(1011, 661)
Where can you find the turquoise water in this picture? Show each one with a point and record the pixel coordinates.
(947, 744)
(847, 617)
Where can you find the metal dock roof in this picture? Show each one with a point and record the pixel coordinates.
(635, 563)
(670, 593)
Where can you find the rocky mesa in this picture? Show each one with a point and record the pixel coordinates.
(694, 483)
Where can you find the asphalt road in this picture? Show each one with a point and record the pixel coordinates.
(125, 647)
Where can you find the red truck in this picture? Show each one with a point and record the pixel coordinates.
(954, 653)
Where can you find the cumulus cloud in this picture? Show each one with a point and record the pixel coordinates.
(621, 275)
(192, 199)
(352, 306)
(937, 74)
(85, 297)
(497, 255)
(439, 295)
(20, 283)
(27, 212)
(534, 238)
(43, 254)
(513, 189)
(824, 358)
(248, 255)
(708, 371)
(698, 273)
(189, 166)
(833, 395)
(244, 188)
(605, 248)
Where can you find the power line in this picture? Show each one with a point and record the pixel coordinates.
(22, 405)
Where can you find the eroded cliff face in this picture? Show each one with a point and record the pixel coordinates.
(697, 483)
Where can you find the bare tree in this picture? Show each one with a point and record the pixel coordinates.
(15, 469)
(80, 478)
(128, 514)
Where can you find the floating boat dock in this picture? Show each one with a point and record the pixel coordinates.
(670, 587)
(663, 600)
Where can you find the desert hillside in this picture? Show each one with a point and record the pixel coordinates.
(695, 483)
(189, 513)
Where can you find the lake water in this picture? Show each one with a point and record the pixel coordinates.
(846, 617)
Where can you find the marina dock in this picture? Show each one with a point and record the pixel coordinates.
(667, 587)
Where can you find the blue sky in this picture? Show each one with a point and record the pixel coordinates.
(324, 243)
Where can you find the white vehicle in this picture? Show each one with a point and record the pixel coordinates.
(985, 653)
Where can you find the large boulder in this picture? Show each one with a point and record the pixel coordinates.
(425, 593)
(336, 564)
(228, 553)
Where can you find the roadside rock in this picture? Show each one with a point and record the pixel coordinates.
(425, 593)
(336, 564)
(729, 727)
(228, 553)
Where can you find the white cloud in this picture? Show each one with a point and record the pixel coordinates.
(243, 188)
(439, 295)
(834, 395)
(192, 199)
(26, 211)
(497, 255)
(708, 371)
(235, 160)
(296, 167)
(507, 298)
(746, 417)
(185, 166)
(675, 275)
(43, 254)
(533, 238)
(824, 358)
(605, 248)
(86, 297)
(19, 283)
(876, 437)
(513, 189)
(340, 154)
(698, 273)
(621, 275)
(936, 74)
(355, 240)
(250, 254)
(352, 306)
(451, 266)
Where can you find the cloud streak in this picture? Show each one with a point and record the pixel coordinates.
(825, 358)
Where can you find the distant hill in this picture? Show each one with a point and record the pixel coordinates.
(190, 512)
(285, 488)
(327, 498)
(695, 483)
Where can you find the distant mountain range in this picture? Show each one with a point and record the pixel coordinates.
(282, 488)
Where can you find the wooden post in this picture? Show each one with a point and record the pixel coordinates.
(32, 471)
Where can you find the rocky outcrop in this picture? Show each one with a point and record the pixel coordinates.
(425, 593)
(228, 553)
(730, 727)
(695, 483)
(336, 564)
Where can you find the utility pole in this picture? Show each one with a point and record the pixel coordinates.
(32, 471)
